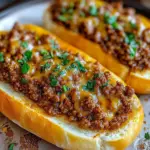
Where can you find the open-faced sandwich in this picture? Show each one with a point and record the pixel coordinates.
(117, 37)
(63, 95)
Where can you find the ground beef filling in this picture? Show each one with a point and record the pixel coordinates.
(62, 83)
(120, 33)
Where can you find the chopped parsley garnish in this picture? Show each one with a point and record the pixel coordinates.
(133, 51)
(65, 88)
(93, 10)
(53, 81)
(57, 68)
(25, 68)
(115, 25)
(61, 73)
(62, 18)
(54, 45)
(1, 57)
(24, 44)
(130, 40)
(80, 66)
(63, 10)
(64, 55)
(11, 146)
(112, 20)
(133, 25)
(73, 65)
(147, 136)
(77, 64)
(44, 52)
(109, 19)
(90, 85)
(65, 61)
(46, 55)
(24, 81)
(23, 62)
(45, 67)
(96, 76)
(28, 55)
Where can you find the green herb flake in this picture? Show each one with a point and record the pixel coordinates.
(90, 85)
(73, 65)
(133, 44)
(54, 45)
(24, 81)
(65, 61)
(53, 81)
(46, 55)
(147, 136)
(130, 37)
(133, 25)
(28, 55)
(109, 19)
(44, 52)
(24, 44)
(132, 51)
(64, 55)
(93, 10)
(96, 76)
(115, 25)
(63, 10)
(65, 88)
(62, 18)
(80, 66)
(61, 73)
(49, 56)
(11, 146)
(21, 61)
(57, 68)
(1, 57)
(45, 67)
(70, 11)
(25, 68)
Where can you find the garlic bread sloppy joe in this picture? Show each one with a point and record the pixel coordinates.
(117, 37)
(62, 95)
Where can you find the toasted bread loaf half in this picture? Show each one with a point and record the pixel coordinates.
(132, 78)
(57, 129)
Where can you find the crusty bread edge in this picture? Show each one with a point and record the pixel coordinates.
(30, 117)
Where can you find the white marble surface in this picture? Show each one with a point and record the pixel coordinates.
(33, 14)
